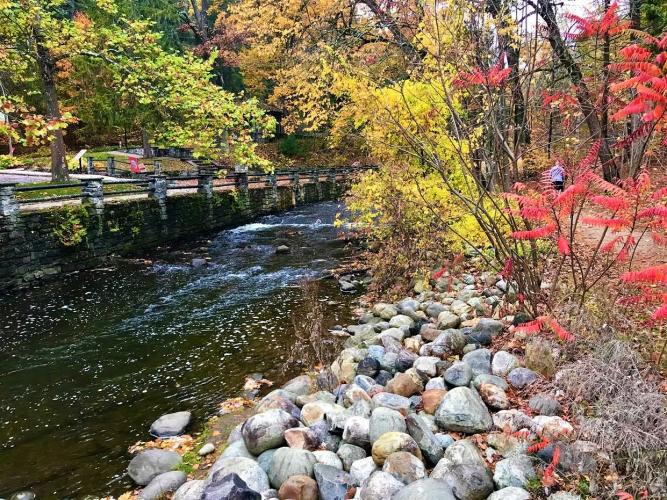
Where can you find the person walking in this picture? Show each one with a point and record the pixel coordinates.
(557, 175)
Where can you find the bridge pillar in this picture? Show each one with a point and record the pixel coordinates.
(205, 185)
(297, 189)
(157, 190)
(111, 167)
(241, 180)
(272, 183)
(315, 179)
(90, 169)
(9, 205)
(92, 194)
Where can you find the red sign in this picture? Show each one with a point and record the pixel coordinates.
(134, 165)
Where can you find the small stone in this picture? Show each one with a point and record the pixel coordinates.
(426, 366)
(383, 377)
(303, 438)
(198, 262)
(506, 444)
(435, 383)
(298, 487)
(512, 420)
(463, 410)
(458, 375)
(266, 430)
(494, 397)
(405, 360)
(368, 366)
(426, 489)
(490, 379)
(434, 309)
(403, 385)
(230, 487)
(431, 399)
(207, 449)
(447, 319)
(539, 357)
(354, 393)
(510, 493)
(288, 462)
(282, 249)
(391, 442)
(444, 440)
(503, 363)
(404, 466)
(516, 470)
(463, 451)
(332, 483)
(385, 311)
(522, 377)
(392, 401)
(151, 463)
(327, 457)
(385, 420)
(361, 469)
(172, 424)
(163, 484)
(357, 431)
(380, 486)
(544, 405)
(349, 453)
(401, 320)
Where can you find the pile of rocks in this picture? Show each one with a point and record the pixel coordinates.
(415, 406)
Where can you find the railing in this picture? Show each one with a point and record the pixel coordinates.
(93, 189)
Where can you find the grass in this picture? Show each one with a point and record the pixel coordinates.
(68, 191)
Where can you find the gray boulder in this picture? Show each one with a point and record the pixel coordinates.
(522, 377)
(287, 462)
(426, 440)
(191, 490)
(385, 420)
(380, 486)
(503, 363)
(349, 453)
(462, 410)
(544, 405)
(264, 459)
(265, 430)
(151, 463)
(489, 379)
(165, 483)
(172, 424)
(458, 375)
(327, 457)
(469, 481)
(248, 470)
(361, 469)
(237, 449)
(516, 470)
(332, 483)
(357, 431)
(391, 401)
(426, 489)
(510, 493)
(299, 386)
(479, 361)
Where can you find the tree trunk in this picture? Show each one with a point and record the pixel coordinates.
(546, 12)
(636, 152)
(47, 70)
(148, 152)
(606, 60)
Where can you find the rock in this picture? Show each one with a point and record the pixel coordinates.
(425, 439)
(404, 466)
(191, 490)
(479, 361)
(229, 487)
(264, 460)
(311, 413)
(405, 360)
(325, 396)
(544, 405)
(357, 431)
(512, 420)
(162, 484)
(383, 377)
(461, 452)
(489, 379)
(280, 393)
(434, 309)
(401, 320)
(403, 385)
(368, 366)
(237, 449)
(426, 366)
(385, 420)
(172, 424)
(460, 308)
(346, 286)
(503, 363)
(303, 438)
(298, 487)
(431, 399)
(391, 442)
(494, 397)
(539, 357)
(426, 489)
(288, 462)
(271, 494)
(510, 493)
(463, 410)
(326, 380)
(469, 348)
(459, 374)
(361, 469)
(444, 440)
(563, 495)
(380, 486)
(327, 457)
(361, 409)
(553, 428)
(151, 463)
(385, 311)
(248, 470)
(429, 332)
(365, 382)
(299, 386)
(506, 444)
(487, 326)
(277, 402)
(448, 342)
(198, 262)
(266, 430)
(392, 401)
(388, 361)
(332, 483)
(336, 422)
(435, 383)
(522, 377)
(207, 449)
(447, 319)
(349, 453)
(516, 470)
(469, 481)
(282, 249)
(354, 393)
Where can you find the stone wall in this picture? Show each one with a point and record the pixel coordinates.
(42, 244)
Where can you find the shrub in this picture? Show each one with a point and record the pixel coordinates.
(291, 147)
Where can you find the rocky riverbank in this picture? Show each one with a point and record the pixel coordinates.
(432, 397)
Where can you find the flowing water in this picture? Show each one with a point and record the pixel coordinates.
(87, 363)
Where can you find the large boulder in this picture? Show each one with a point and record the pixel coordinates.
(479, 361)
(163, 484)
(391, 442)
(288, 462)
(462, 410)
(172, 424)
(380, 486)
(266, 430)
(404, 466)
(458, 375)
(425, 439)
(248, 470)
(349, 453)
(191, 490)
(385, 420)
(516, 470)
(469, 481)
(151, 463)
(332, 483)
(426, 489)
(229, 487)
(361, 469)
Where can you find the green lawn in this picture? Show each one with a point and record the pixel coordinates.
(73, 190)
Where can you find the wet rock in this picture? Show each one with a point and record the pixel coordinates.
(510, 493)
(230, 487)
(349, 453)
(282, 249)
(385, 420)
(380, 486)
(298, 487)
(356, 431)
(385, 311)
(392, 401)
(479, 361)
(248, 470)
(197, 263)
(494, 397)
(426, 489)
(303, 438)
(425, 439)
(172, 424)
(403, 385)
(299, 386)
(545, 405)
(431, 399)
(447, 319)
(469, 481)
(288, 462)
(503, 363)
(391, 442)
(361, 469)
(151, 463)
(489, 379)
(459, 374)
(369, 367)
(207, 449)
(404, 466)
(330, 458)
(332, 483)
(522, 377)
(463, 410)
(191, 490)
(516, 470)
(266, 430)
(167, 482)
